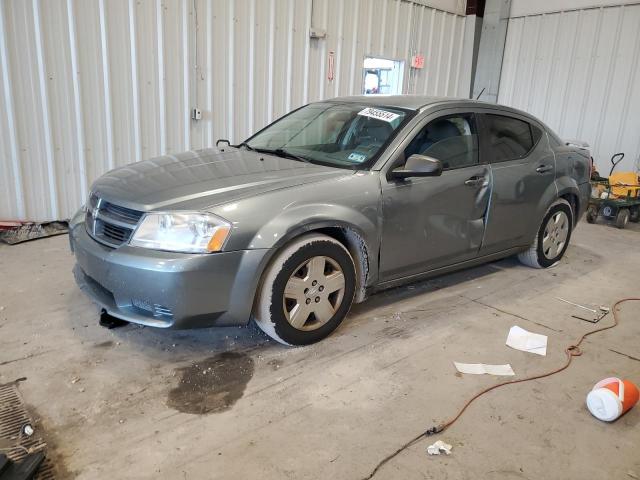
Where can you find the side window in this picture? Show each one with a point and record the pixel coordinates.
(509, 138)
(452, 139)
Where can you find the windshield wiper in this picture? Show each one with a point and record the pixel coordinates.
(279, 152)
(244, 144)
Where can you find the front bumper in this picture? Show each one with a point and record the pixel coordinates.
(164, 289)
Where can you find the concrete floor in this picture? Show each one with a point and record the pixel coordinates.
(227, 403)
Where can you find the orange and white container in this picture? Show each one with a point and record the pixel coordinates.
(611, 398)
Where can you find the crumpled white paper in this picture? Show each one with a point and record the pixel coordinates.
(438, 448)
(520, 339)
(482, 369)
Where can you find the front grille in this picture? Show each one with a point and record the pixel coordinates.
(110, 224)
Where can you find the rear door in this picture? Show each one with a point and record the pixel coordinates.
(523, 169)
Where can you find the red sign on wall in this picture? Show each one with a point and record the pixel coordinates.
(417, 61)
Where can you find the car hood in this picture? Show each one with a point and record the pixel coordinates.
(205, 178)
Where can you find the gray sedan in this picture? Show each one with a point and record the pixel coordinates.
(330, 203)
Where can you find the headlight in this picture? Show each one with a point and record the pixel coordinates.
(181, 232)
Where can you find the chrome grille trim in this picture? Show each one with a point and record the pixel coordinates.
(108, 223)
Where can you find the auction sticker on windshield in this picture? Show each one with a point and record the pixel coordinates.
(379, 114)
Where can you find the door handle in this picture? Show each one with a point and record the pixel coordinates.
(475, 181)
(544, 168)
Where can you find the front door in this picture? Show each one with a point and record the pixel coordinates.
(431, 222)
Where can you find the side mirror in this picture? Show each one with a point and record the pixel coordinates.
(418, 166)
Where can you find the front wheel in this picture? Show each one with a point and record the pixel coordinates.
(622, 218)
(552, 238)
(306, 291)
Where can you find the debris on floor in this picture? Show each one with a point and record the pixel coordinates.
(611, 398)
(22, 445)
(521, 339)
(484, 369)
(438, 448)
(18, 232)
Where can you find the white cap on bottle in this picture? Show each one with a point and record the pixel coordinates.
(604, 404)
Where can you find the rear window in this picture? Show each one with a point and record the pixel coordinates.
(509, 138)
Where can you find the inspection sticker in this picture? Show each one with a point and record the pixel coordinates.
(379, 114)
(357, 156)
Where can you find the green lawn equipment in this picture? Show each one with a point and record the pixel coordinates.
(615, 198)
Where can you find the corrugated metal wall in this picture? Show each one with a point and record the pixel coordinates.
(579, 71)
(87, 85)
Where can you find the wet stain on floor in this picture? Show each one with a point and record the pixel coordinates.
(212, 385)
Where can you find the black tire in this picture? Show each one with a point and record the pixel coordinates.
(635, 215)
(269, 311)
(622, 218)
(592, 214)
(536, 256)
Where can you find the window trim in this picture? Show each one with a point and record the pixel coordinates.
(475, 127)
(487, 143)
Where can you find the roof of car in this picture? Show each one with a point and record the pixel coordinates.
(412, 102)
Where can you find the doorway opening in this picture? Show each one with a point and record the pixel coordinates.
(382, 76)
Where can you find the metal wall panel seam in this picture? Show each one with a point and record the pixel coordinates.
(383, 30)
(230, 70)
(106, 82)
(323, 52)
(592, 60)
(630, 84)
(289, 72)
(407, 48)
(134, 80)
(418, 48)
(565, 96)
(210, 129)
(251, 87)
(395, 29)
(439, 61)
(354, 39)
(272, 39)
(450, 56)
(307, 46)
(73, 48)
(518, 62)
(186, 70)
(552, 69)
(46, 119)
(612, 65)
(428, 49)
(11, 119)
(463, 23)
(338, 59)
(534, 63)
(162, 107)
(368, 46)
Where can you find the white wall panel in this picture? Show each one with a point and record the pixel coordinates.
(89, 85)
(578, 71)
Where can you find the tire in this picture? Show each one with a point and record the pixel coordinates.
(635, 215)
(552, 238)
(592, 214)
(622, 218)
(302, 298)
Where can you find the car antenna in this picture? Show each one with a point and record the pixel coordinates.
(481, 92)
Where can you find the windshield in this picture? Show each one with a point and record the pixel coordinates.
(337, 134)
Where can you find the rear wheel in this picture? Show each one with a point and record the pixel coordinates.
(635, 215)
(307, 291)
(552, 238)
(622, 218)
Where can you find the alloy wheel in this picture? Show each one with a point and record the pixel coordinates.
(313, 293)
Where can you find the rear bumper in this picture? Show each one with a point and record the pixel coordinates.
(164, 289)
